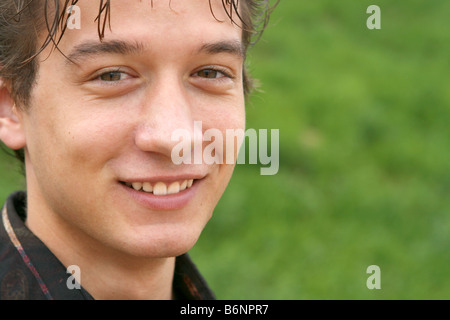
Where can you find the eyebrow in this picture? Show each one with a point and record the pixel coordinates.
(91, 48)
(231, 47)
(94, 48)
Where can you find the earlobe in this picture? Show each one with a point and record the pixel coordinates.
(11, 125)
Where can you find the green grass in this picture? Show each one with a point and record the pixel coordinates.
(364, 159)
(11, 178)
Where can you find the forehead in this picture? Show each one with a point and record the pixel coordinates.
(152, 23)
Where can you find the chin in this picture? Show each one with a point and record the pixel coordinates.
(161, 243)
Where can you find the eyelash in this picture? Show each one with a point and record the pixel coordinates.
(223, 71)
(112, 71)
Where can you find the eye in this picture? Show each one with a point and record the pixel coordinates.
(216, 79)
(212, 73)
(113, 81)
(112, 76)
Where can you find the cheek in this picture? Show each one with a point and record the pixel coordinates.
(99, 136)
(72, 142)
(231, 126)
(223, 115)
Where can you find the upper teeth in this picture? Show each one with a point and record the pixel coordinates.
(160, 188)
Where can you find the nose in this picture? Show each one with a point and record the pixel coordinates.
(167, 109)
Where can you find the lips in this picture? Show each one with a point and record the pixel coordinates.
(166, 193)
(161, 188)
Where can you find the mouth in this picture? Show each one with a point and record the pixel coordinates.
(163, 194)
(160, 188)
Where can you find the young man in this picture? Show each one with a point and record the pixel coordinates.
(93, 104)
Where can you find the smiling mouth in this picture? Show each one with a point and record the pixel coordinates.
(160, 188)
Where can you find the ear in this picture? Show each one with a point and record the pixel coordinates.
(11, 125)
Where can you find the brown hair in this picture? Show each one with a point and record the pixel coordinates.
(21, 21)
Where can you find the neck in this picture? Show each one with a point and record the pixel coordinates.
(145, 280)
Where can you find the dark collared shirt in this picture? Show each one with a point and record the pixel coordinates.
(29, 271)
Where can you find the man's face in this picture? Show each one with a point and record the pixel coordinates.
(95, 127)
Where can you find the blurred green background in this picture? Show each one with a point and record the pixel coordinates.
(364, 174)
